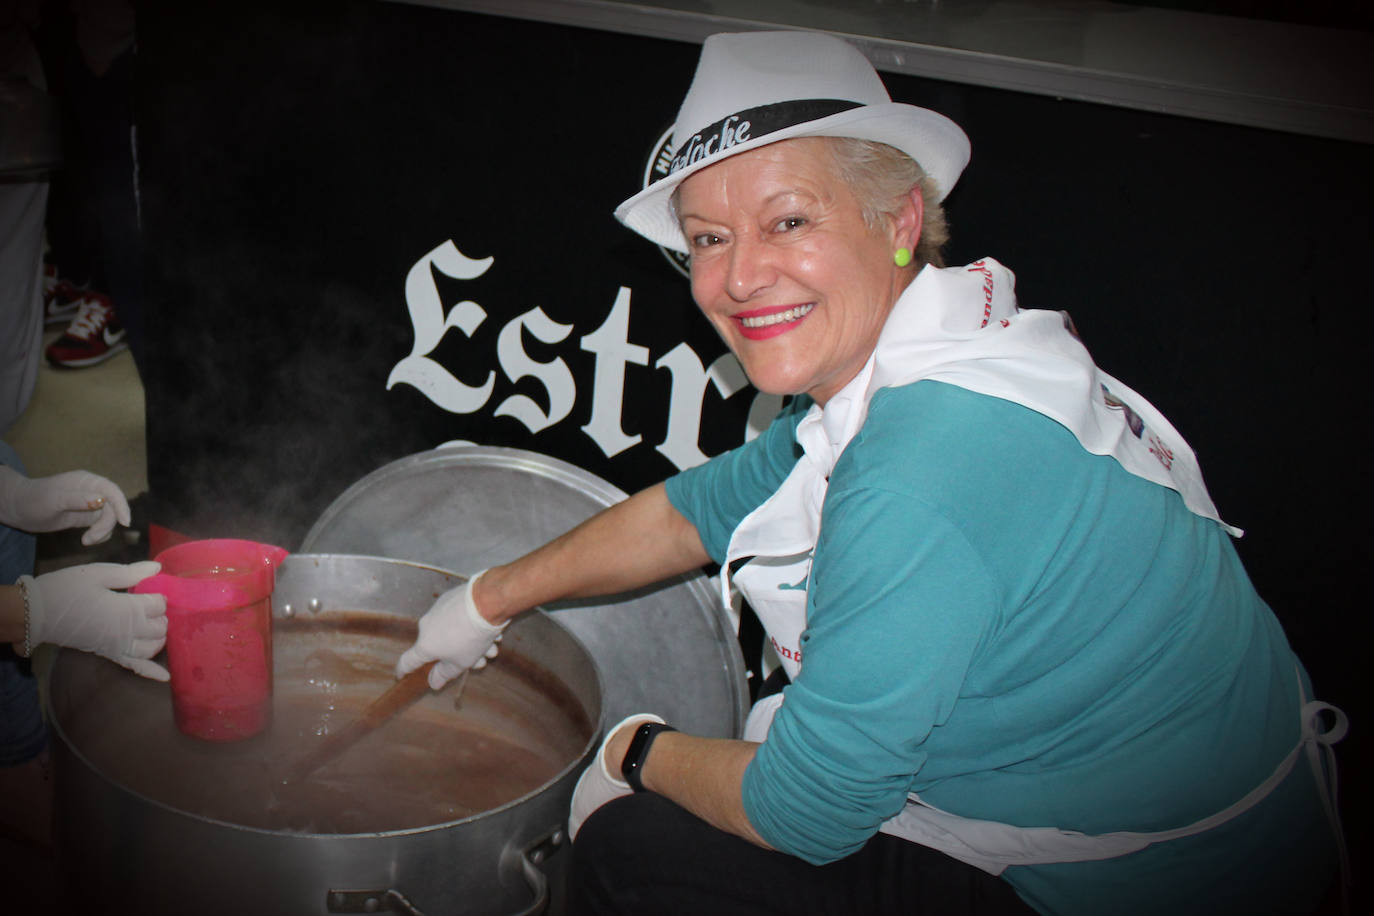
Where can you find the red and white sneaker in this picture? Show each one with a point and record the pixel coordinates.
(61, 298)
(94, 335)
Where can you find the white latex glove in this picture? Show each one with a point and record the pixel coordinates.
(79, 607)
(597, 785)
(455, 634)
(71, 500)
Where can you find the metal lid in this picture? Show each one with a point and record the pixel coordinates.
(669, 650)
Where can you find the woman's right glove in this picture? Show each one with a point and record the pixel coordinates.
(74, 499)
(454, 634)
(80, 607)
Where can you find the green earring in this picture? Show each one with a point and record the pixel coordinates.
(902, 257)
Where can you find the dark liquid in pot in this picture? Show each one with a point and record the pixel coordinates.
(514, 728)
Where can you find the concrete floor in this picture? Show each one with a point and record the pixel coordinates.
(89, 419)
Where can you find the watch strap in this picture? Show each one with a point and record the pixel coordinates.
(632, 767)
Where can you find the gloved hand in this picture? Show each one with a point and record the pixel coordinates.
(600, 782)
(68, 500)
(454, 633)
(79, 607)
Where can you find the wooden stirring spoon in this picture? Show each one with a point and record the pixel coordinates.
(396, 698)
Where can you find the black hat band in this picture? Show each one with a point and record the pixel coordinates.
(752, 123)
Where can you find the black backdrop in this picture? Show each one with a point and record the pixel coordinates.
(297, 162)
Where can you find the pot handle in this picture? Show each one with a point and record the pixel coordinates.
(534, 855)
(374, 901)
(393, 901)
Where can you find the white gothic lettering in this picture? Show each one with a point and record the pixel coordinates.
(609, 343)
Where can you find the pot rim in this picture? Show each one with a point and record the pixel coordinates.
(589, 748)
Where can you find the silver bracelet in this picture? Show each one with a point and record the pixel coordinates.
(24, 590)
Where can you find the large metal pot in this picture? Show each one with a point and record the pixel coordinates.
(126, 844)
(670, 649)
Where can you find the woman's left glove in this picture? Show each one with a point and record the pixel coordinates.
(454, 633)
(70, 500)
(80, 607)
(597, 785)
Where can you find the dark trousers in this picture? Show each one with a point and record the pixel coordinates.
(643, 854)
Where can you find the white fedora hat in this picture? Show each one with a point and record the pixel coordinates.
(756, 88)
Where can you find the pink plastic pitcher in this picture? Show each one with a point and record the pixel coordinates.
(219, 634)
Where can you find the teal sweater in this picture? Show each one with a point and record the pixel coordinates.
(1024, 632)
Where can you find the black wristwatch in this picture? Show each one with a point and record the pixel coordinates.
(633, 765)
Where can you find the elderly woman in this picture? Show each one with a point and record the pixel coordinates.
(1027, 670)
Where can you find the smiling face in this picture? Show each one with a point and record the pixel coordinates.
(786, 269)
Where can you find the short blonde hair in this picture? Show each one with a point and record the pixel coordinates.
(880, 177)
